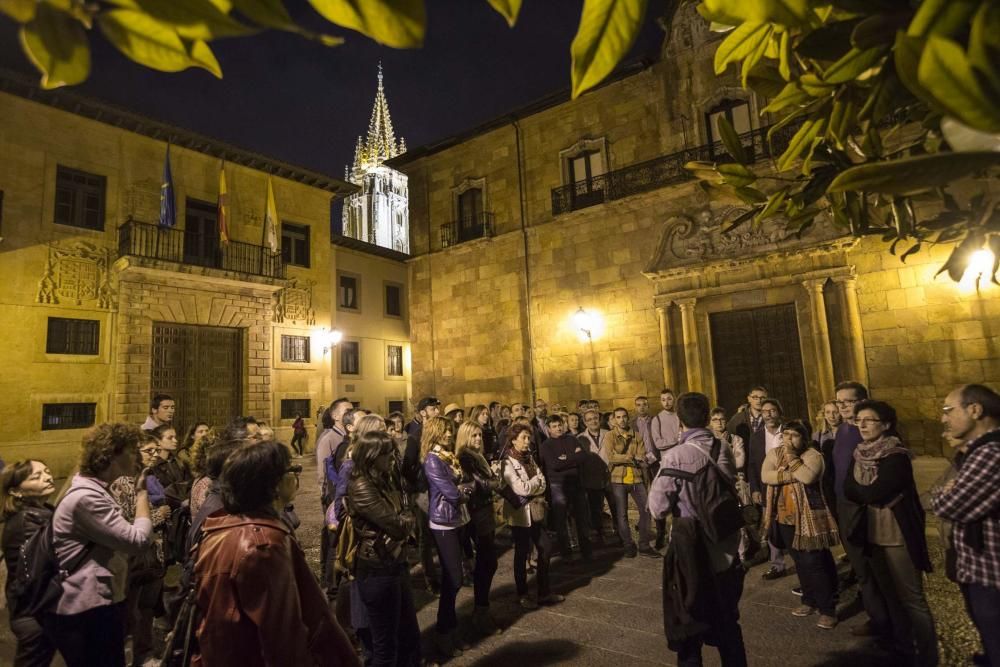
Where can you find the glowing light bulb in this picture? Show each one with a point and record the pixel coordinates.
(980, 266)
(583, 322)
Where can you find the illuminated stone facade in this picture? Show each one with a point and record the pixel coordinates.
(643, 250)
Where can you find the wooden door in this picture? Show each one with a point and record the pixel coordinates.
(201, 234)
(202, 368)
(759, 347)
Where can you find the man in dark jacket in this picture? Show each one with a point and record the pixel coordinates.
(562, 455)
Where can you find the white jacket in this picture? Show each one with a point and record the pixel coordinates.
(517, 479)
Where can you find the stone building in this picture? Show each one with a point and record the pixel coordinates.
(519, 224)
(101, 307)
(379, 212)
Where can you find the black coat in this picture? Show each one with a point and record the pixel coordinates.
(894, 485)
(18, 529)
(756, 451)
(689, 596)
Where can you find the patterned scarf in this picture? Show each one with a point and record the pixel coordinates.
(450, 459)
(528, 463)
(815, 527)
(867, 456)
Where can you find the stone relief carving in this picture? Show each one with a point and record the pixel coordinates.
(77, 274)
(295, 302)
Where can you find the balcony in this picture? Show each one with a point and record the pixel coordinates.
(478, 226)
(662, 171)
(140, 239)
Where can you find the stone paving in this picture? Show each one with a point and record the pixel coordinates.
(612, 612)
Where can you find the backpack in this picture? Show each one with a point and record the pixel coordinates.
(181, 643)
(37, 583)
(713, 495)
(175, 537)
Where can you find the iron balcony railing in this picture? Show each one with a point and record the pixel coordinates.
(662, 171)
(140, 239)
(477, 226)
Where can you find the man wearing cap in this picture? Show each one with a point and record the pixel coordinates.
(428, 407)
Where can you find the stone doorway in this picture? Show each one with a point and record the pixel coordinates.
(202, 368)
(759, 347)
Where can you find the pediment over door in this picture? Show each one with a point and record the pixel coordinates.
(694, 239)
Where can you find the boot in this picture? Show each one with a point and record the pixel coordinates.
(483, 622)
(444, 644)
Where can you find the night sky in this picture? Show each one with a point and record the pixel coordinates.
(298, 101)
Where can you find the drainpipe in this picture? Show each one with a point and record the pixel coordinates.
(526, 338)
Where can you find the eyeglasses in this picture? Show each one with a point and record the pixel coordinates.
(864, 421)
(149, 451)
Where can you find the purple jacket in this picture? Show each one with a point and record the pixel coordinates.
(444, 498)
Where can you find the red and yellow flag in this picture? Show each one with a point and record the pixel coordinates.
(223, 212)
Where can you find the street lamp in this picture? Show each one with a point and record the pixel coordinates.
(333, 338)
(584, 323)
(981, 263)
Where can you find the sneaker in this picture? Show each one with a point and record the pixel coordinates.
(772, 573)
(528, 602)
(826, 622)
(648, 552)
(552, 598)
(797, 591)
(803, 610)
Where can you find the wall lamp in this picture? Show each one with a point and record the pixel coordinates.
(333, 338)
(584, 323)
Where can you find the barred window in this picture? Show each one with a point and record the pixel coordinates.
(295, 349)
(290, 407)
(394, 360)
(59, 416)
(71, 336)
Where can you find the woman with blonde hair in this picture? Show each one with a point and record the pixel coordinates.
(447, 513)
(480, 415)
(480, 530)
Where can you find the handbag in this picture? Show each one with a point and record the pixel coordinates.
(538, 508)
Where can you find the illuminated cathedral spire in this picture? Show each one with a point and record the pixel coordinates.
(380, 212)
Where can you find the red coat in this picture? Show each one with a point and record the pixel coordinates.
(260, 603)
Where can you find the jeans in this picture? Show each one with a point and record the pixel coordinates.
(449, 546)
(93, 638)
(727, 635)
(872, 596)
(569, 497)
(34, 648)
(983, 603)
(817, 574)
(596, 499)
(392, 619)
(638, 493)
(298, 442)
(524, 537)
(903, 584)
(141, 603)
(486, 564)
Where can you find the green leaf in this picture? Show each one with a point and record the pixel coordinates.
(785, 56)
(887, 95)
(21, 11)
(731, 140)
(774, 203)
(815, 86)
(268, 13)
(740, 43)
(984, 44)
(400, 24)
(941, 17)
(740, 219)
(828, 42)
(765, 80)
(760, 52)
(202, 56)
(190, 19)
(509, 9)
(801, 142)
(853, 64)
(57, 45)
(791, 96)
(946, 73)
(735, 12)
(607, 30)
(145, 40)
(842, 121)
(751, 195)
(736, 175)
(913, 174)
(906, 54)
(878, 30)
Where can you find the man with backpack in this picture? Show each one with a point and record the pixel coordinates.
(695, 486)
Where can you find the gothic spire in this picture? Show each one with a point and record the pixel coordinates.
(380, 144)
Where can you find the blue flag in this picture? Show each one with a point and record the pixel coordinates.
(167, 215)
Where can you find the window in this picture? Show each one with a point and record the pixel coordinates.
(737, 112)
(295, 349)
(586, 166)
(394, 300)
(347, 292)
(79, 198)
(58, 416)
(470, 207)
(295, 244)
(350, 358)
(394, 360)
(395, 406)
(290, 407)
(69, 336)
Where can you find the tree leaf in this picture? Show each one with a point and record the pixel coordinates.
(736, 175)
(268, 13)
(731, 140)
(853, 64)
(760, 52)
(791, 95)
(877, 30)
(509, 9)
(57, 45)
(400, 24)
(913, 174)
(906, 54)
(145, 40)
(735, 12)
(741, 218)
(984, 44)
(191, 19)
(801, 142)
(607, 30)
(751, 195)
(941, 17)
(946, 73)
(765, 80)
(774, 203)
(740, 43)
(21, 11)
(785, 56)
(202, 56)
(828, 42)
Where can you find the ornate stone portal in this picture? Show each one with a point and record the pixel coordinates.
(77, 274)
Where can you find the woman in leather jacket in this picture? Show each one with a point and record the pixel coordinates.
(482, 527)
(24, 490)
(382, 523)
(447, 513)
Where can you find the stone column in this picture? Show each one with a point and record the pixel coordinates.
(664, 320)
(850, 313)
(821, 337)
(692, 353)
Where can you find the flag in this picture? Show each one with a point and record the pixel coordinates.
(167, 214)
(271, 220)
(223, 213)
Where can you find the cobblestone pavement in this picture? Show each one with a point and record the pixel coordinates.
(612, 612)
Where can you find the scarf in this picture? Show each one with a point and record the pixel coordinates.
(868, 455)
(528, 463)
(450, 459)
(815, 527)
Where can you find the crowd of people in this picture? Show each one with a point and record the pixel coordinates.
(713, 496)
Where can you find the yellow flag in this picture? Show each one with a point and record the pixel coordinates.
(223, 213)
(271, 221)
